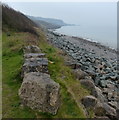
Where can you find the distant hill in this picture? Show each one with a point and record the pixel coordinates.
(15, 20)
(46, 25)
(48, 22)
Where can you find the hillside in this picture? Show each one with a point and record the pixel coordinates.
(48, 22)
(46, 25)
(48, 75)
(23, 33)
(15, 20)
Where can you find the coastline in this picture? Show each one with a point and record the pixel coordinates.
(98, 61)
(99, 49)
(86, 40)
(96, 44)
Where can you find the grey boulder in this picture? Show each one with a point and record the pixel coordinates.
(89, 84)
(79, 74)
(39, 92)
(31, 49)
(34, 55)
(103, 109)
(35, 65)
(89, 101)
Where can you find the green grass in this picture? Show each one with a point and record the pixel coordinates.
(12, 62)
(71, 90)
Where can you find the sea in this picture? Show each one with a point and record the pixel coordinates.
(105, 35)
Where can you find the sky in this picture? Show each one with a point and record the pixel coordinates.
(89, 13)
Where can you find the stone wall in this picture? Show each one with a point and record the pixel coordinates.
(38, 91)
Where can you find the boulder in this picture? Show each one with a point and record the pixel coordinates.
(35, 65)
(103, 83)
(31, 49)
(117, 113)
(99, 109)
(113, 104)
(89, 101)
(39, 92)
(97, 80)
(90, 72)
(73, 64)
(101, 118)
(110, 111)
(79, 74)
(89, 84)
(111, 93)
(103, 109)
(100, 96)
(34, 55)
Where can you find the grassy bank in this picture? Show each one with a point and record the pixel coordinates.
(12, 62)
(71, 90)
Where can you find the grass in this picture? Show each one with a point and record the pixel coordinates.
(71, 90)
(12, 62)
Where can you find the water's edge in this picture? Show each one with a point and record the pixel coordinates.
(108, 45)
(87, 41)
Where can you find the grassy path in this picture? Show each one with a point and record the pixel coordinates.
(71, 90)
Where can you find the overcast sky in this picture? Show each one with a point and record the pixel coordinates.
(88, 13)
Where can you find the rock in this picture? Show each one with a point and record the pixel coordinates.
(88, 59)
(73, 64)
(91, 73)
(97, 80)
(89, 85)
(39, 92)
(103, 83)
(113, 77)
(113, 104)
(111, 86)
(105, 91)
(34, 55)
(111, 112)
(35, 65)
(117, 113)
(89, 101)
(110, 94)
(99, 110)
(101, 118)
(100, 66)
(102, 109)
(107, 70)
(108, 64)
(100, 96)
(78, 66)
(79, 74)
(32, 49)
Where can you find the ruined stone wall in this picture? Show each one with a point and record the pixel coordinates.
(38, 91)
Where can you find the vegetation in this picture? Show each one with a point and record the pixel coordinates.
(71, 90)
(12, 62)
(16, 21)
(48, 23)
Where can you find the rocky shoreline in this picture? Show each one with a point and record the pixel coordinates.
(100, 63)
